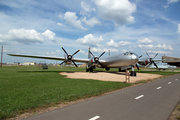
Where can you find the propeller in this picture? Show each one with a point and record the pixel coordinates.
(96, 59)
(137, 65)
(69, 58)
(151, 60)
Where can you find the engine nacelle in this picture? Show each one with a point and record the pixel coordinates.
(68, 59)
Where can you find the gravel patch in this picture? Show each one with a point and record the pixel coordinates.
(109, 76)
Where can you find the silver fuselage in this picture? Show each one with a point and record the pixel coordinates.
(119, 60)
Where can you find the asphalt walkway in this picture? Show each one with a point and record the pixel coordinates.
(150, 101)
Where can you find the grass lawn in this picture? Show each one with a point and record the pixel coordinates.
(28, 87)
(24, 88)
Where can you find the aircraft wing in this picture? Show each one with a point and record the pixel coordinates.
(161, 60)
(50, 58)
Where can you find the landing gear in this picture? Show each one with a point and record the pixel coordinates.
(107, 69)
(133, 73)
(89, 69)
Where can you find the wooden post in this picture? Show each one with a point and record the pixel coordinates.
(127, 76)
(1, 54)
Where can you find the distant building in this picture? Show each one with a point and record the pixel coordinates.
(11, 64)
(29, 63)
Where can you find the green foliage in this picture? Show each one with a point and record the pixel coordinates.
(28, 87)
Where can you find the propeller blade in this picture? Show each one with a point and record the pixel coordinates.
(148, 55)
(155, 64)
(148, 64)
(76, 52)
(155, 55)
(137, 67)
(74, 63)
(102, 54)
(90, 65)
(101, 64)
(140, 56)
(62, 62)
(64, 51)
(91, 53)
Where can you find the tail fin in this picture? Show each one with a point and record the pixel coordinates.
(89, 55)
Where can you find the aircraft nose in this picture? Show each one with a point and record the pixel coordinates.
(135, 58)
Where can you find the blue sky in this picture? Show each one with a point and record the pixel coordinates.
(41, 27)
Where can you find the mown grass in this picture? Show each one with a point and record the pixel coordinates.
(28, 87)
(154, 71)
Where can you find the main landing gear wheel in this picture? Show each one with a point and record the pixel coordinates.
(133, 73)
(89, 69)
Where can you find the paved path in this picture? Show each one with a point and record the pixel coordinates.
(151, 101)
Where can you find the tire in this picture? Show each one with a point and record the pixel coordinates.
(91, 69)
(87, 70)
(133, 73)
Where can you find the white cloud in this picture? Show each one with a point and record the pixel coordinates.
(27, 36)
(159, 52)
(124, 43)
(111, 43)
(86, 8)
(172, 1)
(49, 35)
(144, 41)
(99, 50)
(83, 52)
(71, 19)
(61, 25)
(146, 46)
(60, 16)
(178, 31)
(91, 22)
(58, 51)
(90, 40)
(166, 6)
(159, 46)
(165, 47)
(51, 53)
(118, 10)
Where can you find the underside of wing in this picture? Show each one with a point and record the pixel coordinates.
(49, 57)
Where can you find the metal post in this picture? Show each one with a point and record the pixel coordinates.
(1, 55)
(127, 76)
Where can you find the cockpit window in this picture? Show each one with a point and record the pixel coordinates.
(129, 53)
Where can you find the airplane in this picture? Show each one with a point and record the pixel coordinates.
(122, 61)
(147, 62)
(163, 67)
(171, 60)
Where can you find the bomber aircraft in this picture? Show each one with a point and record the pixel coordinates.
(122, 61)
(171, 60)
(147, 62)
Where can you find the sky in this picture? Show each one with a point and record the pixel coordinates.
(42, 27)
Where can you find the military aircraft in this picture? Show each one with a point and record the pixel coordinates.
(122, 61)
(163, 66)
(171, 60)
(149, 62)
